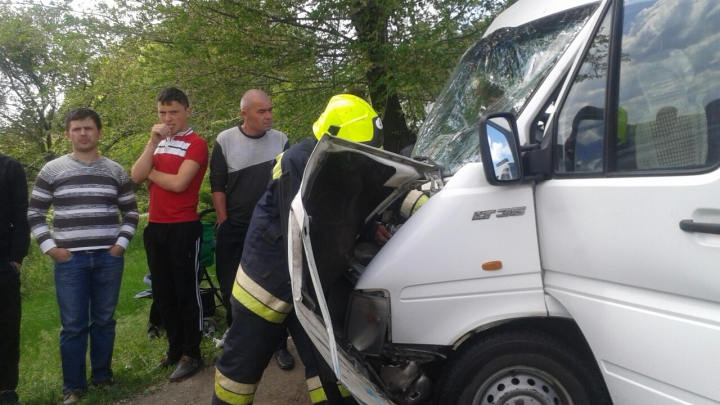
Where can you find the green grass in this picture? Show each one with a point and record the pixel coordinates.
(135, 356)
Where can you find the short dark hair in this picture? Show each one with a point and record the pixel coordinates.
(78, 114)
(171, 94)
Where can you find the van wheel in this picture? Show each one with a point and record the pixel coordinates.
(520, 367)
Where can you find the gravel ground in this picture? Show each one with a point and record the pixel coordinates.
(276, 387)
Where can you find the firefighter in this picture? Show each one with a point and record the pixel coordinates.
(262, 298)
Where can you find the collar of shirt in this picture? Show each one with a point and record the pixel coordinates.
(183, 133)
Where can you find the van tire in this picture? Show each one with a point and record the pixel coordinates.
(534, 366)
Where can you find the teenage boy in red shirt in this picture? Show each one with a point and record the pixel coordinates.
(174, 163)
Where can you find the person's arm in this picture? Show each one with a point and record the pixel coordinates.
(179, 182)
(196, 158)
(218, 182)
(129, 213)
(142, 167)
(295, 163)
(219, 200)
(20, 239)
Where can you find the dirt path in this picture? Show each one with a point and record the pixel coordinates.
(276, 387)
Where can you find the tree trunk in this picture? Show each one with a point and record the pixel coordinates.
(370, 21)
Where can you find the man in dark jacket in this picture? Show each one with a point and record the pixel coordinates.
(14, 244)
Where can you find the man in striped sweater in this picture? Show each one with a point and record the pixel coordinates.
(87, 244)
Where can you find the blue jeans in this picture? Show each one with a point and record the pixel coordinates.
(87, 288)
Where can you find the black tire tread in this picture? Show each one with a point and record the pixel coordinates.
(460, 371)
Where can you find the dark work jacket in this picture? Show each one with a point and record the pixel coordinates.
(264, 257)
(14, 229)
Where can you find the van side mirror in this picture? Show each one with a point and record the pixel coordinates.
(499, 149)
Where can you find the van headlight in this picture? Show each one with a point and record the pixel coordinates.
(367, 321)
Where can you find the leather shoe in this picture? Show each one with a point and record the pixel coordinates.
(285, 359)
(186, 368)
(167, 362)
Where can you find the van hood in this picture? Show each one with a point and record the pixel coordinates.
(345, 185)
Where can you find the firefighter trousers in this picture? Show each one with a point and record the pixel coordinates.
(249, 347)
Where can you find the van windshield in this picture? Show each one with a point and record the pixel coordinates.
(498, 73)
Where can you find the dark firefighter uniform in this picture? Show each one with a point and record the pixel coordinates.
(262, 300)
(262, 296)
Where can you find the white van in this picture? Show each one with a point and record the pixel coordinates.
(569, 252)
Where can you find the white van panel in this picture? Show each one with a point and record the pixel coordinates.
(630, 331)
(647, 298)
(525, 11)
(433, 279)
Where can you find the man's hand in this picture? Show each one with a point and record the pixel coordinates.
(17, 265)
(382, 235)
(117, 250)
(159, 132)
(142, 167)
(59, 254)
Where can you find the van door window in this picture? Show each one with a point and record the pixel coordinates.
(668, 106)
(581, 126)
(669, 86)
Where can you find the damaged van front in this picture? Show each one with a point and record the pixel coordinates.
(556, 234)
(388, 319)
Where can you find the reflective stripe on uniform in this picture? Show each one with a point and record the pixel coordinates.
(317, 393)
(233, 392)
(344, 391)
(277, 169)
(258, 300)
(412, 202)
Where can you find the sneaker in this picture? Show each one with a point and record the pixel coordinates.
(167, 362)
(9, 397)
(186, 368)
(71, 397)
(285, 359)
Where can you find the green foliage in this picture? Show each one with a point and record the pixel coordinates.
(399, 52)
(44, 51)
(37, 272)
(117, 58)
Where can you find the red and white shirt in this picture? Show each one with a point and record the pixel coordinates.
(167, 206)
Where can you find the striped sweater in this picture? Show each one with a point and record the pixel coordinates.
(86, 198)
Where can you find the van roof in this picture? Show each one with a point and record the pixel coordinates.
(525, 11)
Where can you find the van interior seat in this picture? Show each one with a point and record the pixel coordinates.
(673, 131)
